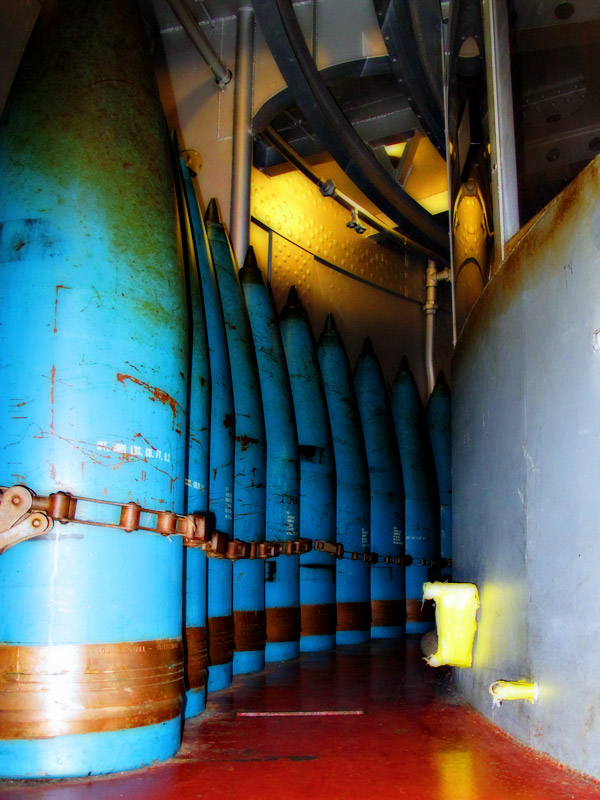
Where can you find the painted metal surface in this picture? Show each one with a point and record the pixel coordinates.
(417, 741)
(249, 453)
(221, 436)
(412, 32)
(439, 424)
(352, 578)
(421, 512)
(197, 462)
(388, 593)
(282, 576)
(317, 477)
(94, 354)
(524, 430)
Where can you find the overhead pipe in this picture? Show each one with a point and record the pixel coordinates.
(242, 134)
(433, 277)
(200, 41)
(328, 189)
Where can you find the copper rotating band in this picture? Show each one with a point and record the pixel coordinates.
(417, 611)
(56, 690)
(283, 624)
(249, 630)
(220, 640)
(353, 616)
(387, 612)
(195, 657)
(318, 619)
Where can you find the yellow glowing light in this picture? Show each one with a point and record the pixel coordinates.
(435, 203)
(456, 605)
(513, 690)
(395, 150)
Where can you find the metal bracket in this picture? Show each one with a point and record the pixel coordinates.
(17, 522)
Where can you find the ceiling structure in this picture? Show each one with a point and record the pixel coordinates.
(351, 111)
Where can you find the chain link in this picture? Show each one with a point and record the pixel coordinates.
(24, 515)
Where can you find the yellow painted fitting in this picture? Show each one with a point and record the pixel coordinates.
(513, 690)
(456, 605)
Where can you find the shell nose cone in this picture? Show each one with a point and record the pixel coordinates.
(404, 366)
(330, 326)
(367, 349)
(212, 211)
(293, 301)
(250, 272)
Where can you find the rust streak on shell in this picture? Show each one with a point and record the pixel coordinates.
(245, 441)
(157, 394)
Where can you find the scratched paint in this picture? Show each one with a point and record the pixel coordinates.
(250, 438)
(97, 241)
(282, 590)
(352, 516)
(221, 425)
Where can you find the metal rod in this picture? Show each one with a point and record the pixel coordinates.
(242, 134)
(328, 189)
(200, 42)
(270, 257)
(501, 126)
(433, 277)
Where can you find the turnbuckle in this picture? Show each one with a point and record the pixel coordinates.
(18, 522)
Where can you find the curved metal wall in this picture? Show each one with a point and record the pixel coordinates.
(525, 427)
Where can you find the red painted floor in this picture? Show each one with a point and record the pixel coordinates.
(415, 739)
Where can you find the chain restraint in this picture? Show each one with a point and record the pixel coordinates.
(24, 515)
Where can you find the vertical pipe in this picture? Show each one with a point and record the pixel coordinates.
(94, 345)
(242, 133)
(501, 125)
(430, 310)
